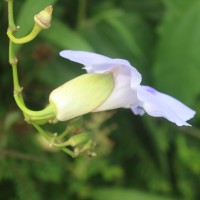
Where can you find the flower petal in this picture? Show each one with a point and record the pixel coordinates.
(161, 105)
(138, 110)
(96, 63)
(91, 60)
(123, 96)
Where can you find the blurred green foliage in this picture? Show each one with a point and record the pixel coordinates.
(140, 158)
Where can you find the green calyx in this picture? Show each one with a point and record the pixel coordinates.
(81, 95)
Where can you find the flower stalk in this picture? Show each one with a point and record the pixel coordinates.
(28, 38)
(42, 21)
(30, 115)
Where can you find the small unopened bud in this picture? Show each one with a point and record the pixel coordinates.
(78, 139)
(43, 18)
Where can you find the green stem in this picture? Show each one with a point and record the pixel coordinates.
(74, 140)
(42, 117)
(36, 29)
(50, 139)
(65, 132)
(12, 27)
(12, 58)
(69, 152)
(30, 115)
(10, 15)
(17, 88)
(45, 114)
(61, 145)
(40, 130)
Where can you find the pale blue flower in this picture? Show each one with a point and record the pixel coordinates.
(128, 92)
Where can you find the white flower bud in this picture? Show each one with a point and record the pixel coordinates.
(43, 18)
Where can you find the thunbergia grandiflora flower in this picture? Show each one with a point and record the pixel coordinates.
(109, 84)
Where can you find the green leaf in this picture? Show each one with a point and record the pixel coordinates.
(58, 72)
(64, 37)
(119, 36)
(127, 194)
(127, 36)
(177, 61)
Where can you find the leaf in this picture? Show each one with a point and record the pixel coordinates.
(59, 72)
(176, 66)
(127, 194)
(119, 36)
(116, 19)
(64, 37)
(127, 36)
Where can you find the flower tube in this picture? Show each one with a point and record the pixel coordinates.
(127, 91)
(81, 95)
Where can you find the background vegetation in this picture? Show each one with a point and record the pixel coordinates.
(139, 158)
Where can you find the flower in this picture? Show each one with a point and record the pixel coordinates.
(127, 91)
